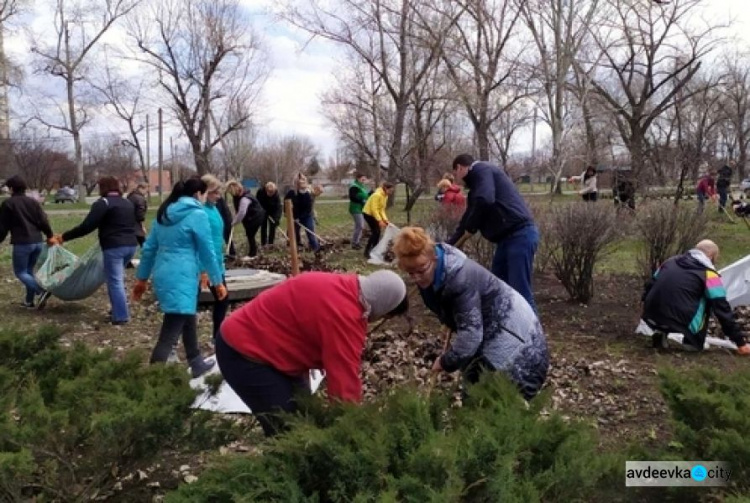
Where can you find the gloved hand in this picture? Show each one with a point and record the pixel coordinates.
(53, 241)
(221, 292)
(204, 281)
(744, 350)
(139, 289)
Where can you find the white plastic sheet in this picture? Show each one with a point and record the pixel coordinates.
(736, 279)
(226, 400)
(377, 255)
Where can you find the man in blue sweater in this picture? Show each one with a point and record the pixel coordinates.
(499, 213)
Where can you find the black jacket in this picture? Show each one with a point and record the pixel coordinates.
(494, 206)
(272, 204)
(141, 208)
(682, 295)
(724, 177)
(25, 220)
(302, 203)
(114, 216)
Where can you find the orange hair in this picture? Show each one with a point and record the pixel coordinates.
(412, 242)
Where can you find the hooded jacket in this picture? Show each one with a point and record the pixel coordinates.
(375, 205)
(25, 220)
(454, 197)
(494, 208)
(683, 293)
(492, 321)
(358, 195)
(216, 222)
(175, 253)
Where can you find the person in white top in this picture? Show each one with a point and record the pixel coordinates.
(589, 192)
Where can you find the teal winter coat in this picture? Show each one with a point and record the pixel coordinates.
(175, 252)
(217, 232)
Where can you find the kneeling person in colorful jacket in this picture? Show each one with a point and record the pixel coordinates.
(266, 349)
(682, 295)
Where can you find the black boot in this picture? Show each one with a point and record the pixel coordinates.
(659, 340)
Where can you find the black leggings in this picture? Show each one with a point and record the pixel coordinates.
(220, 308)
(268, 230)
(172, 327)
(374, 233)
(251, 229)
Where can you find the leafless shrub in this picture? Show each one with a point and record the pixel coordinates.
(480, 250)
(543, 218)
(577, 238)
(442, 222)
(666, 229)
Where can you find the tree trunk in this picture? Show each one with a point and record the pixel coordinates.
(483, 140)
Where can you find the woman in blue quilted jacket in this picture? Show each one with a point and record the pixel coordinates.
(178, 248)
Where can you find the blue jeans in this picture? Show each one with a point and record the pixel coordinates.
(115, 260)
(701, 200)
(359, 224)
(514, 261)
(24, 260)
(308, 222)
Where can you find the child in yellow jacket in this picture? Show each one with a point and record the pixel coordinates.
(374, 213)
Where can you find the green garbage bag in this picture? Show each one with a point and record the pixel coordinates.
(69, 277)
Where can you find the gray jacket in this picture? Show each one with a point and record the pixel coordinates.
(494, 324)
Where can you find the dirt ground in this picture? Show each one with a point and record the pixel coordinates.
(600, 372)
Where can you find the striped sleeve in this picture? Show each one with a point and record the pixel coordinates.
(714, 286)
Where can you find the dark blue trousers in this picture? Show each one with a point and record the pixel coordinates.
(263, 388)
(514, 261)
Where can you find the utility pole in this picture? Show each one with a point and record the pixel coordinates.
(161, 158)
(148, 154)
(171, 160)
(533, 141)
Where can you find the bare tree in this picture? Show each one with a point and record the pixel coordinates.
(279, 158)
(735, 105)
(558, 28)
(207, 62)
(237, 152)
(481, 52)
(377, 33)
(125, 98)
(694, 126)
(78, 27)
(648, 55)
(107, 156)
(352, 107)
(40, 163)
(8, 9)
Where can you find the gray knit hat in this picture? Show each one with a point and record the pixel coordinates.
(382, 291)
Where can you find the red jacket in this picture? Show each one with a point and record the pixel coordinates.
(312, 321)
(706, 186)
(454, 197)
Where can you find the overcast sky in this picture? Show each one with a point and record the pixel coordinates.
(292, 94)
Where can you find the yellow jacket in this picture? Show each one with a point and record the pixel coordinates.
(375, 205)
